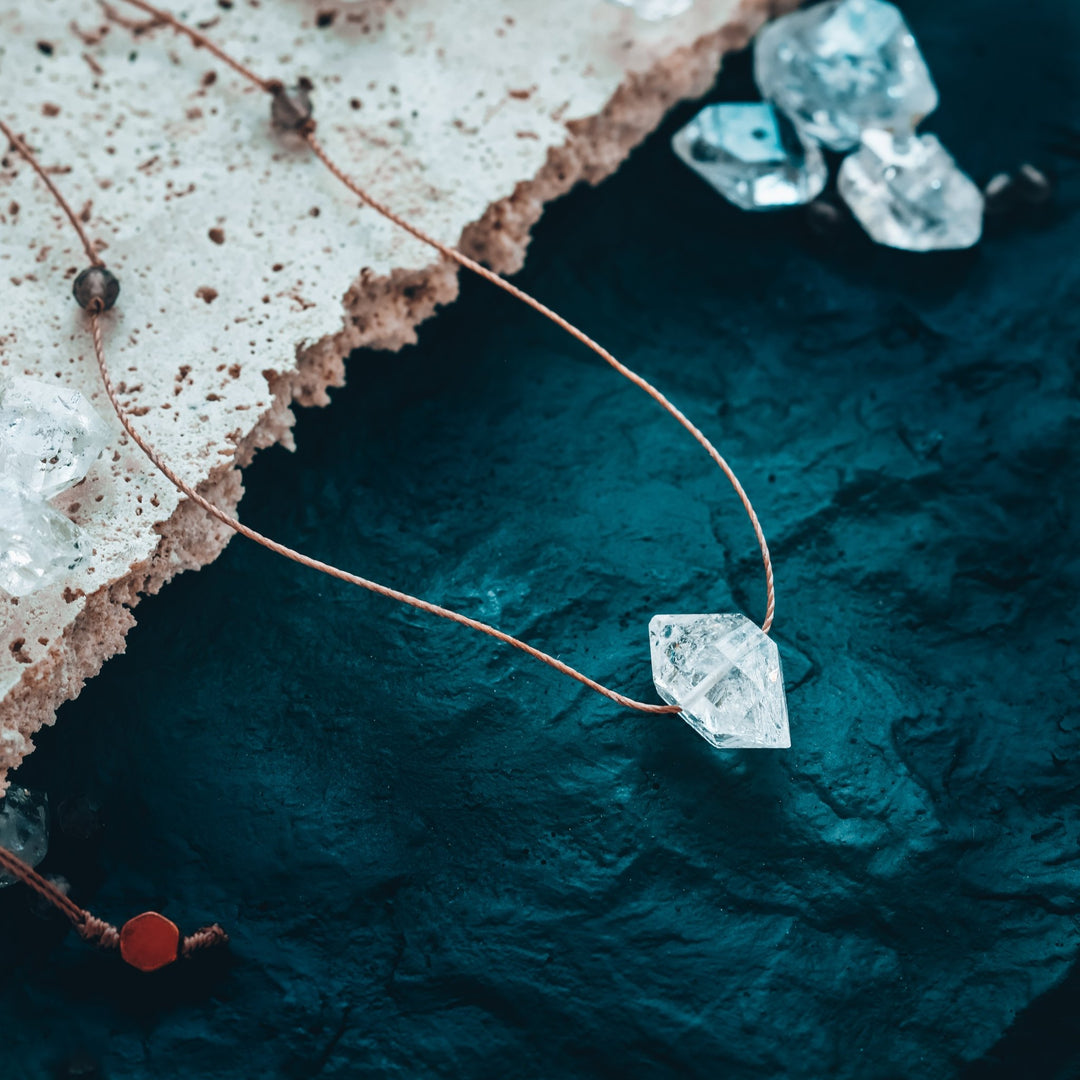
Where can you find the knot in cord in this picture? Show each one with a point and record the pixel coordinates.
(97, 931)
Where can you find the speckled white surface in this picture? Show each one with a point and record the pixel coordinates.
(236, 251)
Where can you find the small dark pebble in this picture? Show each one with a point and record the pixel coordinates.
(824, 218)
(1033, 186)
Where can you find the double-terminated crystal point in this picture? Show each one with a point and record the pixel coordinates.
(724, 674)
(752, 155)
(840, 67)
(49, 436)
(907, 192)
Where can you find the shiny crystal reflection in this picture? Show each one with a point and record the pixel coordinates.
(38, 545)
(655, 10)
(842, 66)
(24, 826)
(49, 436)
(908, 193)
(752, 155)
(724, 673)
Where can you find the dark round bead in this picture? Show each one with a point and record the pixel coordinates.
(80, 1066)
(96, 289)
(291, 108)
(1000, 194)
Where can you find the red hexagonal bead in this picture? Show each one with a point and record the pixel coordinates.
(149, 941)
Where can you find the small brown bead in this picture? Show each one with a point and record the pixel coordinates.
(291, 108)
(96, 289)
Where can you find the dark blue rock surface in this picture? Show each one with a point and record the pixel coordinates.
(438, 858)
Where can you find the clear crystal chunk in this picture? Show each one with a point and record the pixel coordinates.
(907, 192)
(24, 826)
(38, 545)
(49, 436)
(724, 673)
(842, 66)
(752, 155)
(655, 10)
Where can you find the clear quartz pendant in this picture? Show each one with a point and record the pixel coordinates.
(724, 673)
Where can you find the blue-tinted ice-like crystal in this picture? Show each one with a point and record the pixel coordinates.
(907, 192)
(655, 10)
(842, 66)
(752, 155)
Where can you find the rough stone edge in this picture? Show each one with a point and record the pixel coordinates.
(380, 312)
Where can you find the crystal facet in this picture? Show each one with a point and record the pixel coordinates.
(49, 436)
(908, 193)
(724, 673)
(655, 10)
(24, 826)
(752, 155)
(38, 545)
(842, 66)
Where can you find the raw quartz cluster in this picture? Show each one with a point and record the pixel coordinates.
(24, 827)
(848, 75)
(49, 438)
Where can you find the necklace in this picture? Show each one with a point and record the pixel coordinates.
(720, 672)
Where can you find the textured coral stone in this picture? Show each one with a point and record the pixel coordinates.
(149, 941)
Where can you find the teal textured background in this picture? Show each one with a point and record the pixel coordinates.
(437, 857)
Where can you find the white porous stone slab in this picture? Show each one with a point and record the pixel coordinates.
(248, 272)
